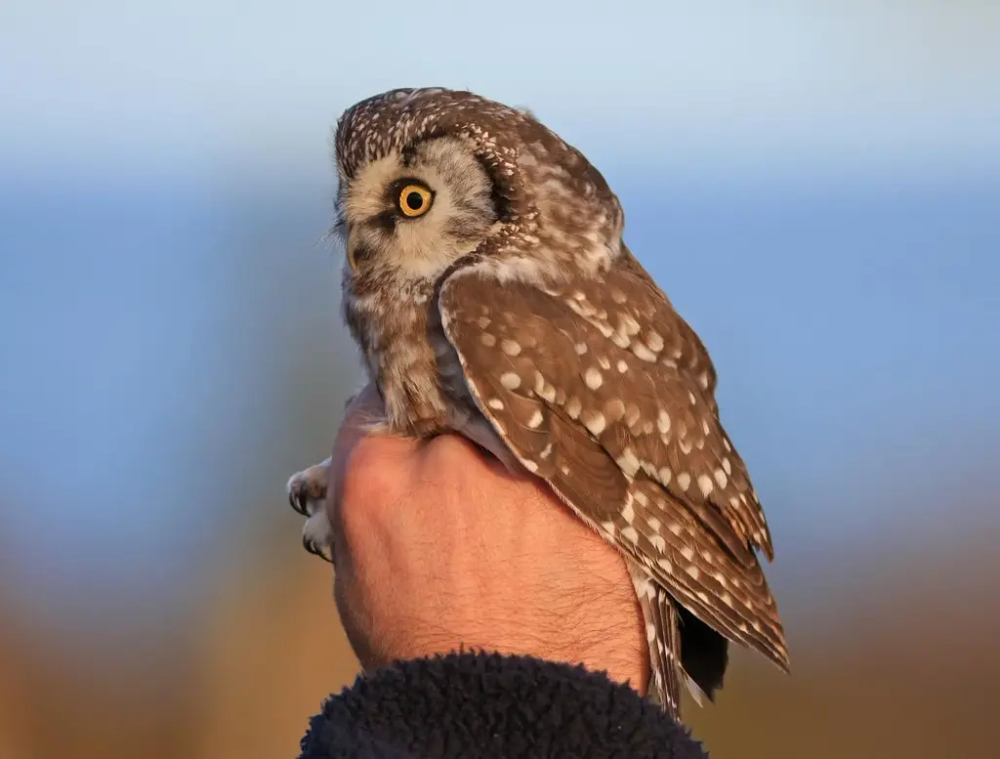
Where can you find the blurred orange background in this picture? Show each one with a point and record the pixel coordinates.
(815, 186)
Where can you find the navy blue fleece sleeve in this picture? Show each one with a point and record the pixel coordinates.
(486, 705)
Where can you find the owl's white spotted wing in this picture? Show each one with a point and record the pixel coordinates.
(602, 390)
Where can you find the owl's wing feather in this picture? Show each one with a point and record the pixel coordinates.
(604, 392)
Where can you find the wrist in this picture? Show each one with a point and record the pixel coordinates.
(581, 631)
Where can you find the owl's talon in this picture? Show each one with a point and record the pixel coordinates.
(307, 489)
(307, 496)
(315, 550)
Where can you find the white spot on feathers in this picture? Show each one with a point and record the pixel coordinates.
(495, 404)
(573, 407)
(683, 481)
(593, 377)
(510, 380)
(663, 421)
(510, 347)
(628, 325)
(628, 512)
(619, 339)
(641, 351)
(594, 421)
(705, 484)
(628, 463)
(720, 477)
(536, 419)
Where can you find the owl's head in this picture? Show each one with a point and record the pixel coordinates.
(429, 176)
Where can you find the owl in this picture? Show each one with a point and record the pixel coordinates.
(491, 294)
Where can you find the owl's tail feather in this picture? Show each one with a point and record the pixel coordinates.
(664, 640)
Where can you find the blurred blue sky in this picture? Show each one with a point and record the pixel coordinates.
(817, 186)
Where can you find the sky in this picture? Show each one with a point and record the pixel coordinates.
(767, 84)
(816, 185)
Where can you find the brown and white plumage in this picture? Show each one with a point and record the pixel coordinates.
(491, 293)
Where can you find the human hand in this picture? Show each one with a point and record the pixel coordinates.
(437, 548)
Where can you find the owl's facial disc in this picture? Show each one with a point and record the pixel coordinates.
(410, 214)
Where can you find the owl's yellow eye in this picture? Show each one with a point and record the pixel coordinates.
(414, 200)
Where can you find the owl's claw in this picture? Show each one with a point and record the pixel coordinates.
(307, 496)
(307, 489)
(310, 545)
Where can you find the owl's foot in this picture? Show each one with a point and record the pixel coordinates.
(307, 495)
(307, 489)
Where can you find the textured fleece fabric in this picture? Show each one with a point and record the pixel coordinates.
(486, 705)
